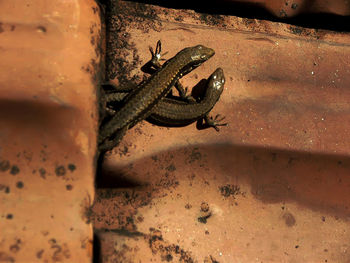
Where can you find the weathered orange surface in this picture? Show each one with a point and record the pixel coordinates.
(48, 72)
(289, 8)
(273, 186)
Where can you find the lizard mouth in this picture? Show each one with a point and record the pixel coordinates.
(191, 66)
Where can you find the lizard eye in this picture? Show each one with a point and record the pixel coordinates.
(217, 84)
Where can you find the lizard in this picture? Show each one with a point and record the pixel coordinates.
(139, 102)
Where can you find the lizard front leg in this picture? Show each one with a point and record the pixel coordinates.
(154, 64)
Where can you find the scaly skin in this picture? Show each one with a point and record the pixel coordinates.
(140, 102)
(172, 112)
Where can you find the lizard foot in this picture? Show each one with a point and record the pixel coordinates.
(157, 55)
(215, 122)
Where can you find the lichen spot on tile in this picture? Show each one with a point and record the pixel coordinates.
(14, 170)
(289, 219)
(20, 184)
(4, 165)
(60, 170)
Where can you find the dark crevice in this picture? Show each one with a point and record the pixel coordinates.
(255, 11)
(96, 249)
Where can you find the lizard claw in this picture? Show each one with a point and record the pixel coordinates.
(218, 119)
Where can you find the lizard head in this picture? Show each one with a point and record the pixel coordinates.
(217, 80)
(193, 57)
(215, 84)
(200, 54)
